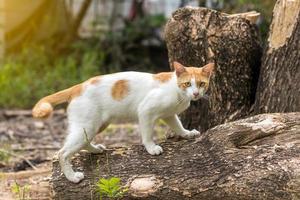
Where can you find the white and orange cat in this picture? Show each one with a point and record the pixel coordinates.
(143, 97)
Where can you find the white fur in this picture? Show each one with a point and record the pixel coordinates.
(148, 100)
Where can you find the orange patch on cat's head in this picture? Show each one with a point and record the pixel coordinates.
(120, 90)
(163, 77)
(185, 74)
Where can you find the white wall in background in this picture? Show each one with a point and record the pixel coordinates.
(101, 10)
(165, 7)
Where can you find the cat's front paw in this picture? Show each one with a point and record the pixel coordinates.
(75, 177)
(191, 134)
(154, 149)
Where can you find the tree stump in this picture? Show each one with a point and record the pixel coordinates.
(279, 81)
(254, 158)
(196, 36)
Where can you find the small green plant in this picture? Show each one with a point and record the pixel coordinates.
(111, 188)
(4, 156)
(22, 192)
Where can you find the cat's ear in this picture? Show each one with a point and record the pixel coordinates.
(208, 69)
(179, 68)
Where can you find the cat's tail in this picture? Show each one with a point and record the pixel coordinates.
(44, 107)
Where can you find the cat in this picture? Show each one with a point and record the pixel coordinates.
(142, 97)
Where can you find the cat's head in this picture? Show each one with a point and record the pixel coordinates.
(193, 81)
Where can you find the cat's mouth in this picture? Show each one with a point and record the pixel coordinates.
(196, 98)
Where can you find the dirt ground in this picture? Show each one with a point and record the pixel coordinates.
(27, 146)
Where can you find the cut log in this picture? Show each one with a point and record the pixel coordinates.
(196, 36)
(254, 158)
(279, 82)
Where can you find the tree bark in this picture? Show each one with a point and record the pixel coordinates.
(279, 81)
(254, 158)
(73, 33)
(78, 19)
(196, 36)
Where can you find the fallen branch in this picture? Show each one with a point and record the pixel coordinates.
(35, 148)
(24, 174)
(15, 113)
(18, 156)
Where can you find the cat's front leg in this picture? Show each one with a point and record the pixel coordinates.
(175, 124)
(146, 123)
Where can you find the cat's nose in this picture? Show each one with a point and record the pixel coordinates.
(196, 94)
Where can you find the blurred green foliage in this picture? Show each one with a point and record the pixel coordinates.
(21, 192)
(136, 45)
(36, 72)
(4, 156)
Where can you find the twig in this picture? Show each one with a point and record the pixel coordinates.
(13, 113)
(21, 157)
(24, 174)
(34, 148)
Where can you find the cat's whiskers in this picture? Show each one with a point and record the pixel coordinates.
(205, 97)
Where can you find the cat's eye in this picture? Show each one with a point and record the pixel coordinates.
(202, 84)
(187, 84)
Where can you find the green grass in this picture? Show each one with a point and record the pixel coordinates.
(21, 192)
(5, 150)
(111, 188)
(32, 74)
(4, 156)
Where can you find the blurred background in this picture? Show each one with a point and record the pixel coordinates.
(47, 45)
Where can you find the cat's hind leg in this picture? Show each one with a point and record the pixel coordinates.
(75, 141)
(83, 125)
(97, 148)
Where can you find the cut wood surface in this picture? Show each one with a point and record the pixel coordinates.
(196, 36)
(279, 81)
(254, 158)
